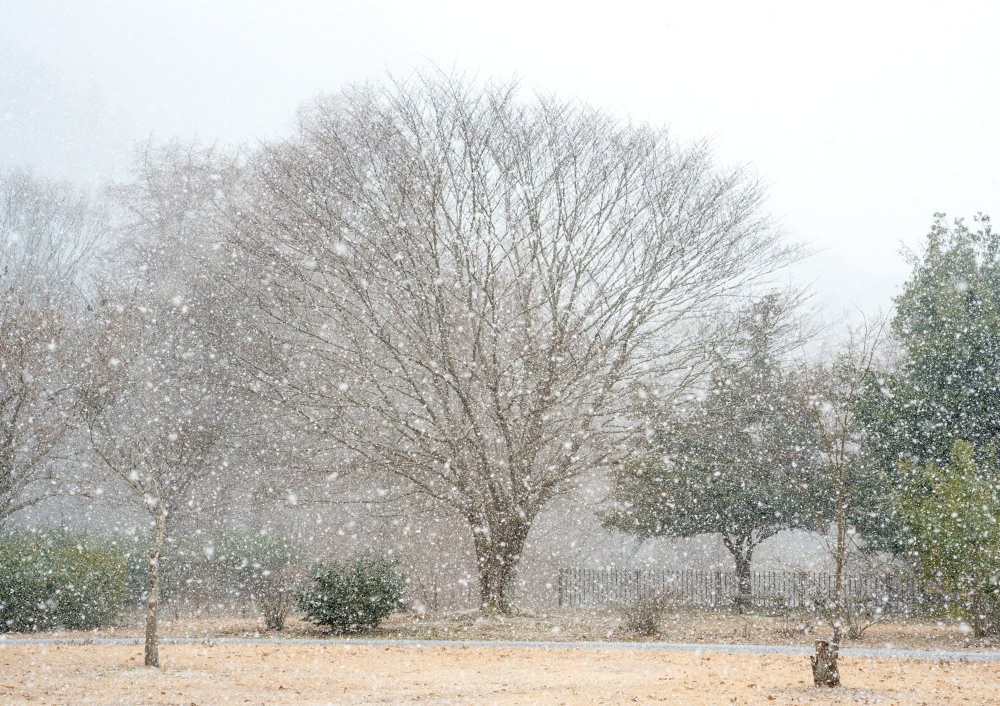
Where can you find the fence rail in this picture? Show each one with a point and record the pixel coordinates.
(719, 589)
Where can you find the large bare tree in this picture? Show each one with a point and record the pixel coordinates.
(465, 281)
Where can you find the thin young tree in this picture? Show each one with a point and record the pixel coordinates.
(157, 429)
(167, 429)
(835, 393)
(466, 282)
(173, 224)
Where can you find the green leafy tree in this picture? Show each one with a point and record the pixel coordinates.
(735, 462)
(952, 511)
(946, 387)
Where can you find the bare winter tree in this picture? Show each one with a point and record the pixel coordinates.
(834, 396)
(174, 215)
(47, 234)
(465, 282)
(169, 429)
(157, 434)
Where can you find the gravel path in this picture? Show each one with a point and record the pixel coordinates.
(886, 652)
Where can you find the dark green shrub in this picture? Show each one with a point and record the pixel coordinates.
(46, 585)
(234, 568)
(355, 596)
(230, 568)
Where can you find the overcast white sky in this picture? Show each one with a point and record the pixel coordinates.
(863, 118)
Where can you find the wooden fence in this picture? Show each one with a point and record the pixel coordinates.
(773, 590)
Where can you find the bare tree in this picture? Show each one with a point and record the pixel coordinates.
(47, 234)
(834, 395)
(173, 237)
(157, 434)
(465, 282)
(168, 428)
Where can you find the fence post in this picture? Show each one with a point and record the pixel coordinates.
(559, 587)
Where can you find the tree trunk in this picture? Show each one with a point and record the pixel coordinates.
(152, 651)
(983, 616)
(151, 657)
(498, 551)
(742, 550)
(494, 593)
(744, 577)
(824, 662)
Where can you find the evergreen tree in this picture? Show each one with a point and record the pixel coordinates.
(952, 513)
(735, 462)
(947, 385)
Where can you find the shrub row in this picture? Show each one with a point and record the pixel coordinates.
(51, 582)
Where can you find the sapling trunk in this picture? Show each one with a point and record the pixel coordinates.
(152, 651)
(824, 663)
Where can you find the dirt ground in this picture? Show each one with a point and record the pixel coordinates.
(297, 674)
(582, 625)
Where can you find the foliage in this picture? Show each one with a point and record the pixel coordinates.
(231, 566)
(47, 585)
(355, 596)
(733, 462)
(947, 385)
(952, 512)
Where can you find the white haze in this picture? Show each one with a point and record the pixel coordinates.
(864, 119)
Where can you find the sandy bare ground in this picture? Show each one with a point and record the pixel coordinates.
(270, 674)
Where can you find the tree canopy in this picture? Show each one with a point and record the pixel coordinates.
(735, 461)
(952, 513)
(946, 387)
(469, 279)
